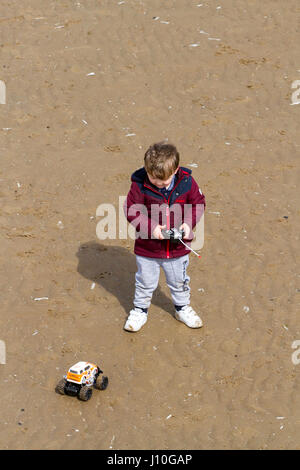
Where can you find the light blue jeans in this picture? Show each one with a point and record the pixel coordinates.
(147, 277)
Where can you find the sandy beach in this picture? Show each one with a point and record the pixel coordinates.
(89, 86)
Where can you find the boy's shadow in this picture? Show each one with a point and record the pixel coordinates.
(114, 268)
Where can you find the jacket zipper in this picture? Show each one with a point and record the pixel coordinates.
(167, 210)
(168, 228)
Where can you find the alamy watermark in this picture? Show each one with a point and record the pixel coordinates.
(2, 92)
(296, 94)
(296, 354)
(2, 352)
(143, 219)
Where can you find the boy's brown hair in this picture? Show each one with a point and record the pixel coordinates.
(161, 160)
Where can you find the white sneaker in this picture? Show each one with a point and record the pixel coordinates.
(136, 319)
(188, 316)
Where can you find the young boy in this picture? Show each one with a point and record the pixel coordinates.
(163, 195)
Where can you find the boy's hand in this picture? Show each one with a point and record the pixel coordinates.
(187, 231)
(157, 232)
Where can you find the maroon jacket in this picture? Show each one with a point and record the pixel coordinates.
(145, 207)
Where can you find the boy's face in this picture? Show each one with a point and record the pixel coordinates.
(161, 183)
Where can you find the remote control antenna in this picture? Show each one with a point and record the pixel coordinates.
(199, 256)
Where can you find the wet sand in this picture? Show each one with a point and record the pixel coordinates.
(90, 85)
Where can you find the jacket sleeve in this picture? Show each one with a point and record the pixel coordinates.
(137, 214)
(196, 205)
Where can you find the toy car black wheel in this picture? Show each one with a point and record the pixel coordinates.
(61, 387)
(85, 393)
(101, 382)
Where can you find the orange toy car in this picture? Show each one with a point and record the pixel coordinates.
(80, 380)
